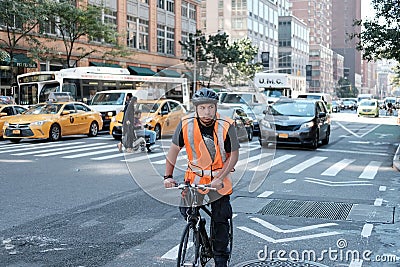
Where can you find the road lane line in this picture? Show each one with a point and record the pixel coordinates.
(147, 156)
(271, 163)
(163, 160)
(370, 153)
(265, 194)
(38, 147)
(57, 149)
(305, 164)
(367, 230)
(370, 170)
(378, 202)
(300, 229)
(337, 167)
(356, 263)
(172, 254)
(90, 153)
(382, 188)
(289, 181)
(75, 150)
(253, 158)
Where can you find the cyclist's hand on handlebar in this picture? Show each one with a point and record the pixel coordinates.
(217, 183)
(169, 182)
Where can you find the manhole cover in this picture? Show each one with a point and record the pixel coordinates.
(278, 263)
(308, 209)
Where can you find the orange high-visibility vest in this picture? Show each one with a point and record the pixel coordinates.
(201, 166)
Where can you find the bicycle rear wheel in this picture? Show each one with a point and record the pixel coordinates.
(230, 246)
(189, 247)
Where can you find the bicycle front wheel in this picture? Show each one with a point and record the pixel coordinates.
(188, 253)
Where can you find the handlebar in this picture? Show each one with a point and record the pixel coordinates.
(203, 187)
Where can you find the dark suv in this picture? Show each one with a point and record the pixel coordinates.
(296, 121)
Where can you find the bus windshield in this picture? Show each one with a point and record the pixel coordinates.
(108, 99)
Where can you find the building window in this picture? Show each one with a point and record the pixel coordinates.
(143, 34)
(144, 1)
(160, 38)
(192, 12)
(48, 27)
(161, 4)
(184, 40)
(170, 41)
(170, 6)
(131, 40)
(184, 9)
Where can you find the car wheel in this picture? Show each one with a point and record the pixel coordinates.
(15, 140)
(250, 134)
(94, 129)
(326, 140)
(55, 132)
(314, 144)
(157, 129)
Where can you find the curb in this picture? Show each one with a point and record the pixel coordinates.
(396, 159)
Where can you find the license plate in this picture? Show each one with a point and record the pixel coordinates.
(283, 135)
(16, 131)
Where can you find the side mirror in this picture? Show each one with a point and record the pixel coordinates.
(65, 112)
(2, 114)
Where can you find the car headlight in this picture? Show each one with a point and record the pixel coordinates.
(265, 124)
(307, 125)
(38, 123)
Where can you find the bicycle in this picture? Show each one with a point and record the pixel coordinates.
(195, 248)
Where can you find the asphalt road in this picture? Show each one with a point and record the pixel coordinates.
(79, 202)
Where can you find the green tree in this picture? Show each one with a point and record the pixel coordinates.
(345, 89)
(215, 57)
(379, 36)
(18, 19)
(74, 23)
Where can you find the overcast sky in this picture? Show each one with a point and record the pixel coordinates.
(366, 9)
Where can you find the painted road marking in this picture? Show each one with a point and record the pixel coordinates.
(353, 152)
(34, 146)
(336, 184)
(253, 158)
(305, 164)
(382, 188)
(101, 146)
(57, 149)
(337, 167)
(356, 263)
(367, 230)
(378, 202)
(271, 163)
(265, 194)
(289, 181)
(295, 230)
(172, 254)
(370, 170)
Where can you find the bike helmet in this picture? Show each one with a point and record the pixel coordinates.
(205, 96)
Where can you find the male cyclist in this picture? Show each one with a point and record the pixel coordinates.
(212, 149)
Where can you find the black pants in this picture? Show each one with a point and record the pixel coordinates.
(221, 211)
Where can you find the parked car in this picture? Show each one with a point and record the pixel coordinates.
(52, 121)
(319, 96)
(349, 104)
(368, 107)
(243, 123)
(9, 110)
(296, 121)
(251, 112)
(336, 106)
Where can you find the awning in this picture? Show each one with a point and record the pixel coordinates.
(189, 76)
(20, 60)
(140, 71)
(169, 73)
(101, 64)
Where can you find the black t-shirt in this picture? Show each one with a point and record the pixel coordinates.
(231, 142)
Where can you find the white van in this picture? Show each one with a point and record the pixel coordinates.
(319, 96)
(110, 102)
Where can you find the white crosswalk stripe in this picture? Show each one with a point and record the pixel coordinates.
(249, 155)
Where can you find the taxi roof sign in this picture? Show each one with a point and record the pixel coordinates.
(60, 97)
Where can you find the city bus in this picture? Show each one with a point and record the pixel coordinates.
(82, 83)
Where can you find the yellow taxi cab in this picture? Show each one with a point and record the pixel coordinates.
(53, 120)
(161, 116)
(9, 110)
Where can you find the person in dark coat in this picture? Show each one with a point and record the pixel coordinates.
(128, 132)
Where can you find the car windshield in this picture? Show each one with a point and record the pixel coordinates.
(273, 93)
(108, 99)
(44, 109)
(297, 109)
(367, 103)
(348, 102)
(147, 107)
(226, 112)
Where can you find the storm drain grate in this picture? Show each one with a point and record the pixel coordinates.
(308, 209)
(279, 263)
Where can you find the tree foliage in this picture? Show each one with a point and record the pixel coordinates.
(18, 19)
(215, 57)
(379, 36)
(345, 89)
(74, 23)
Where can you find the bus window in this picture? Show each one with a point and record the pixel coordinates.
(47, 89)
(28, 94)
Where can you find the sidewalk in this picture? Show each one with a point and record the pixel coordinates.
(396, 158)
